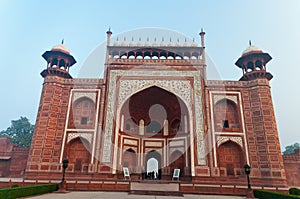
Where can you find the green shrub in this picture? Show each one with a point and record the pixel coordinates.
(2, 194)
(14, 185)
(17, 192)
(263, 194)
(294, 191)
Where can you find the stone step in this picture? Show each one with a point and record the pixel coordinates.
(152, 188)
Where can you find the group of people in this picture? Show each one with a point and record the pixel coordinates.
(152, 175)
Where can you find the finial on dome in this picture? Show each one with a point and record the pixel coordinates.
(132, 43)
(178, 43)
(62, 41)
(185, 42)
(116, 42)
(124, 43)
(171, 43)
(109, 31)
(155, 42)
(194, 43)
(250, 43)
(147, 42)
(140, 43)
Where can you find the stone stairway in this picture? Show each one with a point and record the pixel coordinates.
(155, 188)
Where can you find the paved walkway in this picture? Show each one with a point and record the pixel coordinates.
(123, 195)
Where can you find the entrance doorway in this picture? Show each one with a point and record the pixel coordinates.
(153, 165)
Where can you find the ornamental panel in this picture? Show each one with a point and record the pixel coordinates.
(90, 95)
(181, 88)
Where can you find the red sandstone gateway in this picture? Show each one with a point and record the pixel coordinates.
(153, 112)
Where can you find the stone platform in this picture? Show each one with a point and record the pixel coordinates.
(155, 188)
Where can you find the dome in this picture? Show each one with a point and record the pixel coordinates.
(132, 43)
(139, 43)
(252, 49)
(117, 42)
(178, 43)
(185, 43)
(194, 44)
(124, 43)
(147, 42)
(170, 43)
(155, 43)
(61, 48)
(163, 43)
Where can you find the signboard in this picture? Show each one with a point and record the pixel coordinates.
(176, 173)
(126, 172)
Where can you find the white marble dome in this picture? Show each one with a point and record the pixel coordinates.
(251, 49)
(61, 48)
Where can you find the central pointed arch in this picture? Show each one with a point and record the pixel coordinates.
(154, 106)
(184, 112)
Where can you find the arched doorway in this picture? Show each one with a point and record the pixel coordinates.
(78, 154)
(230, 159)
(153, 165)
(150, 120)
(177, 161)
(129, 160)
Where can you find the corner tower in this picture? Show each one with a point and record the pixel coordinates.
(260, 123)
(44, 155)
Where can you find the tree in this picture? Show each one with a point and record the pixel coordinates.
(20, 132)
(291, 148)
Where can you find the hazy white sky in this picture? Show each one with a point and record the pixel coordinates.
(29, 28)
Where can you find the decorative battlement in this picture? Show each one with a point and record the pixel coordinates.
(155, 52)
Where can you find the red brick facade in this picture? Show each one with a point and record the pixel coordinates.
(292, 168)
(50, 124)
(159, 110)
(13, 159)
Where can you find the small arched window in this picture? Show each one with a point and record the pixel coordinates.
(250, 66)
(153, 127)
(258, 65)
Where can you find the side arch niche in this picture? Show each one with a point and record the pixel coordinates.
(130, 160)
(230, 159)
(226, 116)
(78, 154)
(177, 161)
(82, 114)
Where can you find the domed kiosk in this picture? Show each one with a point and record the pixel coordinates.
(59, 60)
